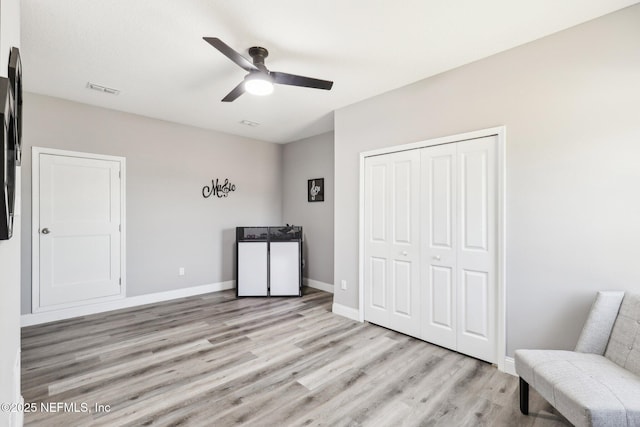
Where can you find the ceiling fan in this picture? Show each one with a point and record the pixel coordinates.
(260, 80)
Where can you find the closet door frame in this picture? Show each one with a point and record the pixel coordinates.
(500, 303)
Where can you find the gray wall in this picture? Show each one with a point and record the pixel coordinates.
(302, 160)
(570, 105)
(9, 249)
(169, 223)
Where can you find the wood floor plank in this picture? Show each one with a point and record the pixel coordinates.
(256, 388)
(128, 368)
(215, 360)
(332, 405)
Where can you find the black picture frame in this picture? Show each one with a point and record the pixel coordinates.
(315, 190)
(15, 86)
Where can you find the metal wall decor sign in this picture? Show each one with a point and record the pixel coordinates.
(218, 189)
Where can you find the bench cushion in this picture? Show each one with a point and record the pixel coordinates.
(602, 316)
(588, 389)
(624, 343)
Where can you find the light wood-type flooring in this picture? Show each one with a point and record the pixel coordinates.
(215, 360)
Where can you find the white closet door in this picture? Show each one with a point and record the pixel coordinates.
(439, 249)
(476, 252)
(392, 249)
(430, 245)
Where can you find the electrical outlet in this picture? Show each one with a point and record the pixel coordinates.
(181, 271)
(343, 285)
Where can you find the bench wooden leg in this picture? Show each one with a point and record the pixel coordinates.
(524, 397)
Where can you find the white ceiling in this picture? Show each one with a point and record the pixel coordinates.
(153, 52)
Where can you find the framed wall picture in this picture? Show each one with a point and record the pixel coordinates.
(315, 190)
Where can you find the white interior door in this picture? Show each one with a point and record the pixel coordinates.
(439, 248)
(392, 273)
(78, 226)
(477, 248)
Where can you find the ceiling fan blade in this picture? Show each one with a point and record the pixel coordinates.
(293, 80)
(230, 53)
(235, 93)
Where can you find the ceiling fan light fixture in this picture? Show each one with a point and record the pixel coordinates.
(260, 80)
(258, 84)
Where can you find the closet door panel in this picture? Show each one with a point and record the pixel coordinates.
(378, 289)
(474, 316)
(403, 200)
(476, 254)
(442, 197)
(438, 237)
(391, 276)
(405, 250)
(474, 200)
(402, 294)
(441, 304)
(376, 240)
(377, 191)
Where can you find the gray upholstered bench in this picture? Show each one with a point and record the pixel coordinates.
(598, 384)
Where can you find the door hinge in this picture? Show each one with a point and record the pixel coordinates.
(120, 228)
(120, 281)
(120, 174)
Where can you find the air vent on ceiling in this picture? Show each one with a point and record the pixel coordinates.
(249, 123)
(103, 89)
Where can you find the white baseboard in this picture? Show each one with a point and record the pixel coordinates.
(510, 366)
(67, 313)
(317, 285)
(344, 311)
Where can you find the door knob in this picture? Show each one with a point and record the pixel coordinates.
(405, 253)
(45, 231)
(437, 257)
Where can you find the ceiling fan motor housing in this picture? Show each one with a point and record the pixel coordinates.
(258, 54)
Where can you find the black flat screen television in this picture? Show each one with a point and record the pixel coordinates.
(15, 86)
(7, 160)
